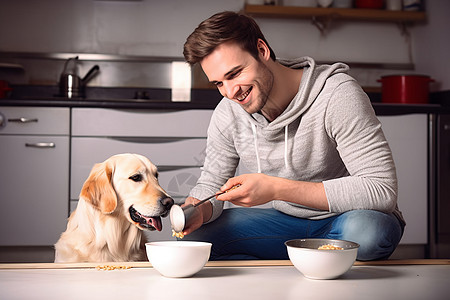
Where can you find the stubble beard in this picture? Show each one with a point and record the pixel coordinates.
(264, 85)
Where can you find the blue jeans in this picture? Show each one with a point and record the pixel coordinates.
(256, 233)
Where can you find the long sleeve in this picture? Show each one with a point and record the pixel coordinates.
(221, 157)
(352, 124)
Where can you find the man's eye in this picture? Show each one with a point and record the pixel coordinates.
(136, 177)
(234, 74)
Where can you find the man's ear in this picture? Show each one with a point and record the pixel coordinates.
(263, 50)
(98, 188)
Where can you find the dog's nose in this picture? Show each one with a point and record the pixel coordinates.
(167, 202)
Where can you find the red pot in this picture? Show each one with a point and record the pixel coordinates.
(369, 4)
(411, 89)
(4, 89)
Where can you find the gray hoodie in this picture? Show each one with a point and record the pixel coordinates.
(328, 133)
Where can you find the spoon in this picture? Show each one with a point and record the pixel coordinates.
(181, 217)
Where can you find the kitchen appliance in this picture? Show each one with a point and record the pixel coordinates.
(442, 189)
(411, 89)
(70, 84)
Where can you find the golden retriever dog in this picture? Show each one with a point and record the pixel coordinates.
(120, 198)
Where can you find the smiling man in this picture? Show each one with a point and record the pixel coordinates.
(309, 137)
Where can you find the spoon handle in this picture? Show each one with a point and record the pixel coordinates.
(212, 196)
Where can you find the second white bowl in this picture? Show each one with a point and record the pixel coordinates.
(321, 264)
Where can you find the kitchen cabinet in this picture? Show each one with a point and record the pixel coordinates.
(39, 185)
(408, 138)
(34, 175)
(174, 140)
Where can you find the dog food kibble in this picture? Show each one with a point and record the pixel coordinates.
(179, 235)
(110, 268)
(330, 247)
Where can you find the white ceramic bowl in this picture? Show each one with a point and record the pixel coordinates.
(178, 258)
(321, 264)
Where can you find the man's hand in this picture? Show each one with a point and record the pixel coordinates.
(255, 189)
(201, 215)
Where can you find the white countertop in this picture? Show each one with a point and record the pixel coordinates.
(220, 282)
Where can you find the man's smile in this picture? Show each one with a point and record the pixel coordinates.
(244, 95)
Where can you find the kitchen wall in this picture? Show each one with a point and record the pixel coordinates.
(431, 44)
(159, 28)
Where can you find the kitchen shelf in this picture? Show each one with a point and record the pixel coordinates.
(334, 13)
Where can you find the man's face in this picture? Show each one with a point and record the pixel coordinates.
(239, 76)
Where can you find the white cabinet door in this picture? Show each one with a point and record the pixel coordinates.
(34, 190)
(407, 137)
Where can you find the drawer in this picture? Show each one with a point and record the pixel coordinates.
(88, 151)
(35, 120)
(111, 122)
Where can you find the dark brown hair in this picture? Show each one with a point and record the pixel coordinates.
(223, 27)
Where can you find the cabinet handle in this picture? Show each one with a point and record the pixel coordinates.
(147, 140)
(40, 145)
(22, 120)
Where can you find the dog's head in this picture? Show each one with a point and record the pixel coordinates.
(127, 185)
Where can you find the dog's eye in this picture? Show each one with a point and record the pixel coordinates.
(136, 177)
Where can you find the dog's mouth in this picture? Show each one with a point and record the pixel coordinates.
(146, 222)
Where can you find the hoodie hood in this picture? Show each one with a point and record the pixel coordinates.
(313, 79)
(311, 84)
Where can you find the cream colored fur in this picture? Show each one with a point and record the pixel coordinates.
(101, 229)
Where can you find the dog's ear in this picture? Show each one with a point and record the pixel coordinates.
(98, 188)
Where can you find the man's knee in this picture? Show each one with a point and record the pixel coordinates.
(378, 234)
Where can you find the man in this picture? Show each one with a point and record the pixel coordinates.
(308, 135)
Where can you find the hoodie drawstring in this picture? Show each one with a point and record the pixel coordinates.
(255, 141)
(286, 146)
